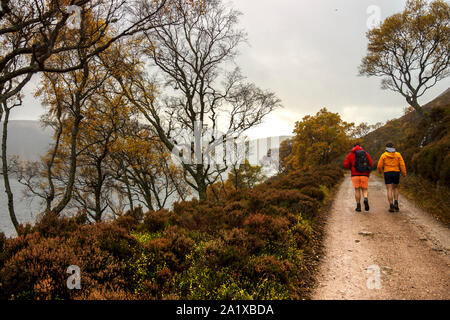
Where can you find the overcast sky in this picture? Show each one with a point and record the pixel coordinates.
(308, 53)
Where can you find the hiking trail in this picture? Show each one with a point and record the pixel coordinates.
(410, 249)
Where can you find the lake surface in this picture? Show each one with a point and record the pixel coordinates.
(26, 210)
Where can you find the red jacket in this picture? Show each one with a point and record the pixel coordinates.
(350, 162)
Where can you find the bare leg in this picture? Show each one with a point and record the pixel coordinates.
(358, 195)
(389, 193)
(366, 193)
(395, 187)
(366, 196)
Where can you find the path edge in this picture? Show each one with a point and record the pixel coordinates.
(316, 251)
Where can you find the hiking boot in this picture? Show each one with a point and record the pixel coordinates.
(391, 208)
(358, 207)
(396, 208)
(366, 205)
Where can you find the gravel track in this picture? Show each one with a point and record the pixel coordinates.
(409, 250)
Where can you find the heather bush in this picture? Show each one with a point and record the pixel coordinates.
(432, 161)
(247, 245)
(198, 215)
(2, 249)
(203, 283)
(234, 218)
(104, 249)
(131, 219)
(247, 242)
(271, 268)
(155, 221)
(231, 249)
(301, 232)
(37, 261)
(291, 199)
(38, 271)
(295, 180)
(269, 229)
(313, 192)
(218, 253)
(52, 225)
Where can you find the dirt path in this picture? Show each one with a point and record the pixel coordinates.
(409, 250)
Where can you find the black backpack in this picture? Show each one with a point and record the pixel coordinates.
(361, 161)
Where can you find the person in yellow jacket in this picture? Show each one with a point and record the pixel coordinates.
(392, 164)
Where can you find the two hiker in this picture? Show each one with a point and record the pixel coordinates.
(391, 163)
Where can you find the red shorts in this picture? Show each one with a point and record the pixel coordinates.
(360, 182)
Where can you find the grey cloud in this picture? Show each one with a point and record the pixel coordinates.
(308, 52)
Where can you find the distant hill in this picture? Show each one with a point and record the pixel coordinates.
(441, 100)
(27, 139)
(424, 143)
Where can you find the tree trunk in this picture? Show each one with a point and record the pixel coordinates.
(147, 197)
(98, 207)
(8, 191)
(127, 184)
(73, 168)
(201, 189)
(202, 193)
(415, 104)
(98, 195)
(51, 194)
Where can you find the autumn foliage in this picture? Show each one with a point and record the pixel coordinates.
(245, 238)
(424, 143)
(318, 140)
(410, 50)
(248, 247)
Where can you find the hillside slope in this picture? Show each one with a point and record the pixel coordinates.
(424, 143)
(425, 146)
(27, 139)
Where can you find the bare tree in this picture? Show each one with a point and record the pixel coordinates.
(146, 169)
(5, 109)
(32, 32)
(191, 57)
(35, 33)
(411, 50)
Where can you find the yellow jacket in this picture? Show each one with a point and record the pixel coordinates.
(391, 161)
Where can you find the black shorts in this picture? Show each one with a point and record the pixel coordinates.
(392, 177)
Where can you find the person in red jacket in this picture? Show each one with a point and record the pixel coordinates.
(360, 162)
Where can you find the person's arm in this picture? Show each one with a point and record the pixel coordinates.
(348, 162)
(370, 160)
(402, 165)
(381, 164)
